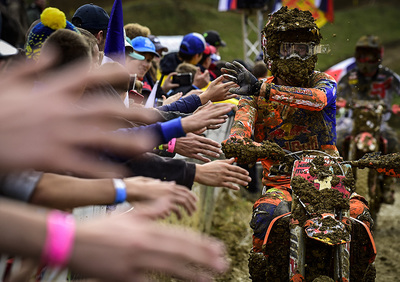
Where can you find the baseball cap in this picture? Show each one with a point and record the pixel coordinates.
(213, 38)
(129, 50)
(209, 50)
(212, 52)
(90, 16)
(144, 44)
(192, 44)
(157, 43)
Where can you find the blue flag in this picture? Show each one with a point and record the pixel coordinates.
(114, 48)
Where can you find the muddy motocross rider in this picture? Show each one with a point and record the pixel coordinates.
(294, 108)
(369, 80)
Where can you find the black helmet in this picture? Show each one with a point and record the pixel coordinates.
(368, 54)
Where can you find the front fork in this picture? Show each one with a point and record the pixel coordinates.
(297, 255)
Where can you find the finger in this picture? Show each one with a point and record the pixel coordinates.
(222, 108)
(229, 65)
(82, 163)
(179, 269)
(172, 73)
(235, 90)
(175, 209)
(210, 151)
(231, 96)
(27, 70)
(200, 131)
(208, 145)
(239, 66)
(183, 201)
(230, 185)
(191, 197)
(230, 72)
(119, 143)
(235, 179)
(203, 129)
(204, 252)
(161, 208)
(208, 141)
(234, 67)
(229, 75)
(213, 127)
(200, 158)
(217, 121)
(237, 169)
(216, 81)
(229, 84)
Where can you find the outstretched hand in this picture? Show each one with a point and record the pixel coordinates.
(248, 83)
(104, 249)
(197, 147)
(45, 130)
(222, 173)
(147, 190)
(210, 116)
(218, 91)
(172, 98)
(200, 79)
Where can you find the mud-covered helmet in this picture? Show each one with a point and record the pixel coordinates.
(368, 54)
(290, 42)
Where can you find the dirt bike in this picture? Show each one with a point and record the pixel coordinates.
(366, 138)
(317, 240)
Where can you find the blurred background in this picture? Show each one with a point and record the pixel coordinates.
(351, 19)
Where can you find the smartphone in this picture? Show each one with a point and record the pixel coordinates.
(136, 96)
(183, 79)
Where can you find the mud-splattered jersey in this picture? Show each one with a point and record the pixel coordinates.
(293, 117)
(384, 85)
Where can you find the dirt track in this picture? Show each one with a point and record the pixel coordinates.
(387, 238)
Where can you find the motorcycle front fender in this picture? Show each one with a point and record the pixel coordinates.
(327, 229)
(366, 142)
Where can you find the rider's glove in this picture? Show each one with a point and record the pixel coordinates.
(248, 83)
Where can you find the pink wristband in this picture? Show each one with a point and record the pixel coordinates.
(59, 239)
(171, 145)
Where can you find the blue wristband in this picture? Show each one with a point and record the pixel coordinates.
(120, 190)
(172, 129)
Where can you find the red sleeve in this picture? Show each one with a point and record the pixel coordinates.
(312, 99)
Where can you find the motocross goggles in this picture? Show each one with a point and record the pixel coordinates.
(301, 50)
(371, 58)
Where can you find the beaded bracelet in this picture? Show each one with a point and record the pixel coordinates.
(59, 239)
